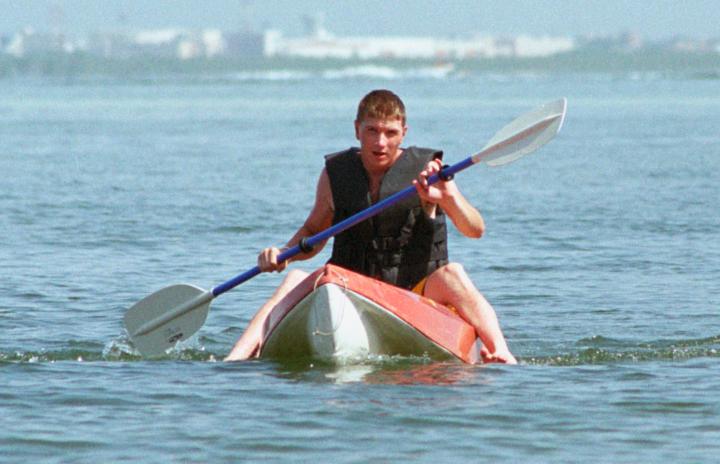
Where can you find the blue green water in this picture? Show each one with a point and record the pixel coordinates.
(602, 259)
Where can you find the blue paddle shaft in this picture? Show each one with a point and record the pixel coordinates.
(341, 226)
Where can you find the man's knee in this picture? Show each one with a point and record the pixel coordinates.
(449, 284)
(451, 272)
(294, 277)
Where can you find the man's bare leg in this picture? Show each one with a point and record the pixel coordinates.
(249, 342)
(450, 285)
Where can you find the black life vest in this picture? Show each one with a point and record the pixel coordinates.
(401, 245)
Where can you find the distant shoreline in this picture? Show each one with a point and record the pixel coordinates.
(700, 64)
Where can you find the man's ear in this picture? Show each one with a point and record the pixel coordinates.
(357, 129)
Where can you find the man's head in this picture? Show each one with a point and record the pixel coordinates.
(380, 128)
(381, 104)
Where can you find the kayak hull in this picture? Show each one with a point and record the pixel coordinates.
(336, 314)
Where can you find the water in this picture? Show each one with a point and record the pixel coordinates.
(602, 259)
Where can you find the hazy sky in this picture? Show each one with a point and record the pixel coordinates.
(651, 18)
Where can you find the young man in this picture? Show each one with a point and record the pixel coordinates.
(405, 245)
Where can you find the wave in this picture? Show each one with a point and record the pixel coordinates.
(588, 351)
(117, 350)
(602, 350)
(279, 75)
(441, 71)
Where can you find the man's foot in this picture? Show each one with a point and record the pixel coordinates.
(502, 357)
(242, 353)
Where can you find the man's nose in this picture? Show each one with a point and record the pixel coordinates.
(382, 139)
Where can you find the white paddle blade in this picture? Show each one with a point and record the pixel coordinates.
(524, 135)
(157, 322)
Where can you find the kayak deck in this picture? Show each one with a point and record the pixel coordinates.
(339, 314)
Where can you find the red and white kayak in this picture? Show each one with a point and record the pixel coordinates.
(338, 314)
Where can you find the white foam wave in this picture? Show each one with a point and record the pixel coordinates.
(350, 72)
(275, 75)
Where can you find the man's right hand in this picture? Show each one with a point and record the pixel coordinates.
(268, 262)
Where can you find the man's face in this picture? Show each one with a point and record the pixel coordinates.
(380, 141)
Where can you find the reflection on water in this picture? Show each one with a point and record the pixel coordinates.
(446, 373)
(386, 370)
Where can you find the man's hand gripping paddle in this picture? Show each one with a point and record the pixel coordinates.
(157, 322)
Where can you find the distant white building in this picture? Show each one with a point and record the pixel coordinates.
(366, 48)
(319, 43)
(205, 44)
(158, 42)
(168, 43)
(213, 42)
(529, 47)
(28, 42)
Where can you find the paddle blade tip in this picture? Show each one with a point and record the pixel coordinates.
(525, 134)
(159, 321)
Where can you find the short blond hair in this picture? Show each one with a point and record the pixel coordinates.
(381, 104)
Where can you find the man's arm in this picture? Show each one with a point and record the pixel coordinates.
(319, 219)
(465, 216)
